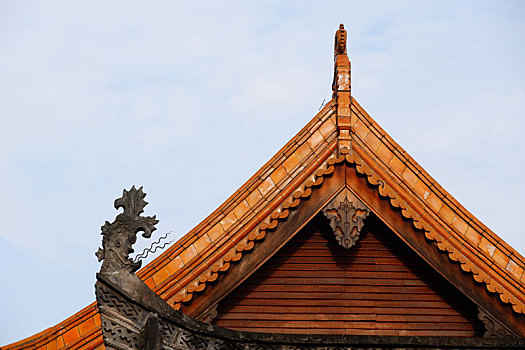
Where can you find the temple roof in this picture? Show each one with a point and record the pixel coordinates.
(342, 133)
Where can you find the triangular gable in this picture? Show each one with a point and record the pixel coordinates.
(333, 175)
(378, 286)
(342, 137)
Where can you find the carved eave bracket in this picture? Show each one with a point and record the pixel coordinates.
(120, 235)
(209, 315)
(493, 327)
(346, 214)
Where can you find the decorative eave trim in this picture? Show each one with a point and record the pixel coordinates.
(464, 227)
(433, 232)
(255, 230)
(386, 189)
(304, 136)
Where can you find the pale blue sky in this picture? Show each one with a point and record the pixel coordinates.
(189, 99)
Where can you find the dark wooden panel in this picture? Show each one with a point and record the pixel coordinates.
(343, 296)
(379, 286)
(444, 320)
(351, 324)
(268, 303)
(329, 288)
(294, 330)
(333, 310)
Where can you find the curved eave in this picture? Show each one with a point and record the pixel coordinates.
(212, 243)
(456, 225)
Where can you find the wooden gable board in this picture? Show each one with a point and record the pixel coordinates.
(379, 286)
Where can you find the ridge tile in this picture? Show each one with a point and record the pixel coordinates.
(486, 246)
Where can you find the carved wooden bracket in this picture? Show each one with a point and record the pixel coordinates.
(494, 328)
(346, 213)
(120, 235)
(209, 315)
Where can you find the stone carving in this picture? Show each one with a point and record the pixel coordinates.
(120, 235)
(493, 328)
(119, 320)
(340, 41)
(346, 214)
(149, 335)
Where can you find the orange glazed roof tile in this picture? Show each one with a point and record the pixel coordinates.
(341, 133)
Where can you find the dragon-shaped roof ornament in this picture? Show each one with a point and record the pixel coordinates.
(120, 235)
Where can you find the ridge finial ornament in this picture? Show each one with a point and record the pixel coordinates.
(120, 235)
(340, 41)
(341, 87)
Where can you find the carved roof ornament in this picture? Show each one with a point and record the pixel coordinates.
(120, 235)
(340, 41)
(346, 214)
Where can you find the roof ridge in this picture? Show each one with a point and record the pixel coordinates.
(244, 239)
(83, 324)
(493, 282)
(395, 147)
(249, 185)
(413, 162)
(166, 273)
(512, 266)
